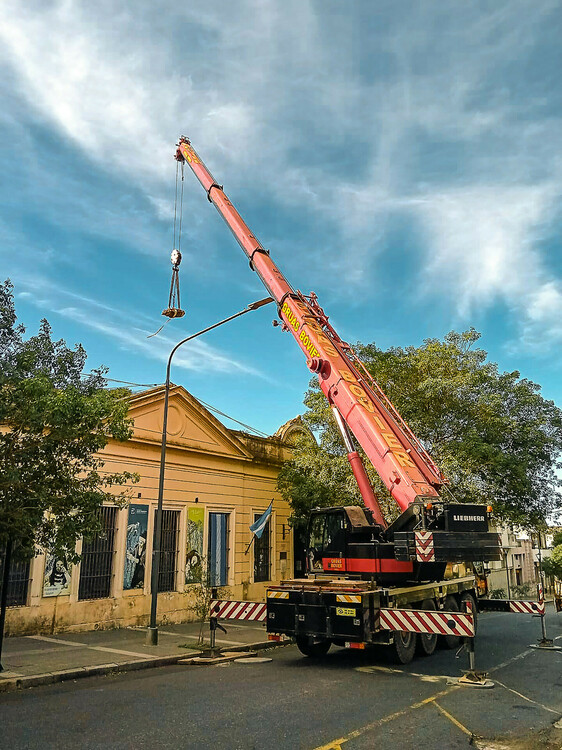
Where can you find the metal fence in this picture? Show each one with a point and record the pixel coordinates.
(262, 553)
(168, 550)
(96, 566)
(18, 581)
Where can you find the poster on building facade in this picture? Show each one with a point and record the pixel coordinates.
(135, 553)
(193, 563)
(56, 581)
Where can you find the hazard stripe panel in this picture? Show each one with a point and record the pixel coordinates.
(348, 598)
(427, 621)
(424, 546)
(531, 608)
(230, 610)
(277, 594)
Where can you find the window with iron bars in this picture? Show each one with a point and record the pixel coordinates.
(18, 581)
(262, 553)
(168, 550)
(96, 565)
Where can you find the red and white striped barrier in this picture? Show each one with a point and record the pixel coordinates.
(230, 610)
(427, 621)
(522, 607)
(425, 551)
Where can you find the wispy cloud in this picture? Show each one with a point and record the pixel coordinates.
(441, 117)
(113, 323)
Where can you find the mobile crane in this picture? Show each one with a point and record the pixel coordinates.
(354, 556)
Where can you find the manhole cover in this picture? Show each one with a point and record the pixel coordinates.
(253, 660)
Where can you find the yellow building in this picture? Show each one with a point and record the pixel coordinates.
(217, 482)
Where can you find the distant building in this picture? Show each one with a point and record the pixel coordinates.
(217, 482)
(518, 564)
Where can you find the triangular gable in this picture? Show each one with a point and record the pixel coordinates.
(190, 425)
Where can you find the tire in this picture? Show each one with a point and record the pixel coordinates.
(404, 647)
(468, 597)
(427, 642)
(450, 641)
(314, 650)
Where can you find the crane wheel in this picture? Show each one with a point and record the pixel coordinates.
(309, 648)
(404, 646)
(427, 642)
(450, 641)
(468, 597)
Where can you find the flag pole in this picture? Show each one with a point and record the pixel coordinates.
(251, 542)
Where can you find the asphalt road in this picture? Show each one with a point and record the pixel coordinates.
(350, 700)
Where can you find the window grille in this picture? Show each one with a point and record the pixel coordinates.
(96, 566)
(218, 550)
(262, 550)
(168, 550)
(18, 581)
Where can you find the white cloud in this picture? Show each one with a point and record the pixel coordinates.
(113, 323)
(451, 111)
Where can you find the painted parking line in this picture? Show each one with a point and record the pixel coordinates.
(540, 705)
(452, 719)
(336, 744)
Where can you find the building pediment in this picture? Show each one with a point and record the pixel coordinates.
(190, 425)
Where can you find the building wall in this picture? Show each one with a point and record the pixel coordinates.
(520, 561)
(208, 467)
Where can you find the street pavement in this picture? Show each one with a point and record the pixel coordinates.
(347, 700)
(39, 659)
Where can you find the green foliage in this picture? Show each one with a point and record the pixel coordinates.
(552, 565)
(497, 594)
(557, 539)
(523, 591)
(54, 421)
(202, 594)
(492, 434)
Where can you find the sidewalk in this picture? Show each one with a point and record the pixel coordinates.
(40, 659)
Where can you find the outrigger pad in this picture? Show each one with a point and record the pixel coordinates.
(475, 679)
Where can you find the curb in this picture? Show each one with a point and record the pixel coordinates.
(12, 684)
(48, 678)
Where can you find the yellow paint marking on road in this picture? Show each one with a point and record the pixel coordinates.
(451, 718)
(552, 711)
(375, 668)
(335, 744)
(390, 670)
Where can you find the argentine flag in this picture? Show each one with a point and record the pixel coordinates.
(258, 526)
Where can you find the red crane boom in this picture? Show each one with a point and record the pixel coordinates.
(357, 401)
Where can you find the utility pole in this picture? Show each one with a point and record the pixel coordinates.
(152, 632)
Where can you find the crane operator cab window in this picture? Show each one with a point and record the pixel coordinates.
(326, 539)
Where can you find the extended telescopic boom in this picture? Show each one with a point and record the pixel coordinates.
(357, 401)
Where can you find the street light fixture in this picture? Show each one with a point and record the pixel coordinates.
(152, 633)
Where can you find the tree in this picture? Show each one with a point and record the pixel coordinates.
(492, 434)
(552, 565)
(54, 420)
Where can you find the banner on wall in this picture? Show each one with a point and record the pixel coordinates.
(193, 563)
(135, 553)
(56, 581)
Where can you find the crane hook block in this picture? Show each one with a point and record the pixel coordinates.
(173, 312)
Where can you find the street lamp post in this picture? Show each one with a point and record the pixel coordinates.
(152, 633)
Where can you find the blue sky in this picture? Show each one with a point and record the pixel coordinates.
(401, 159)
